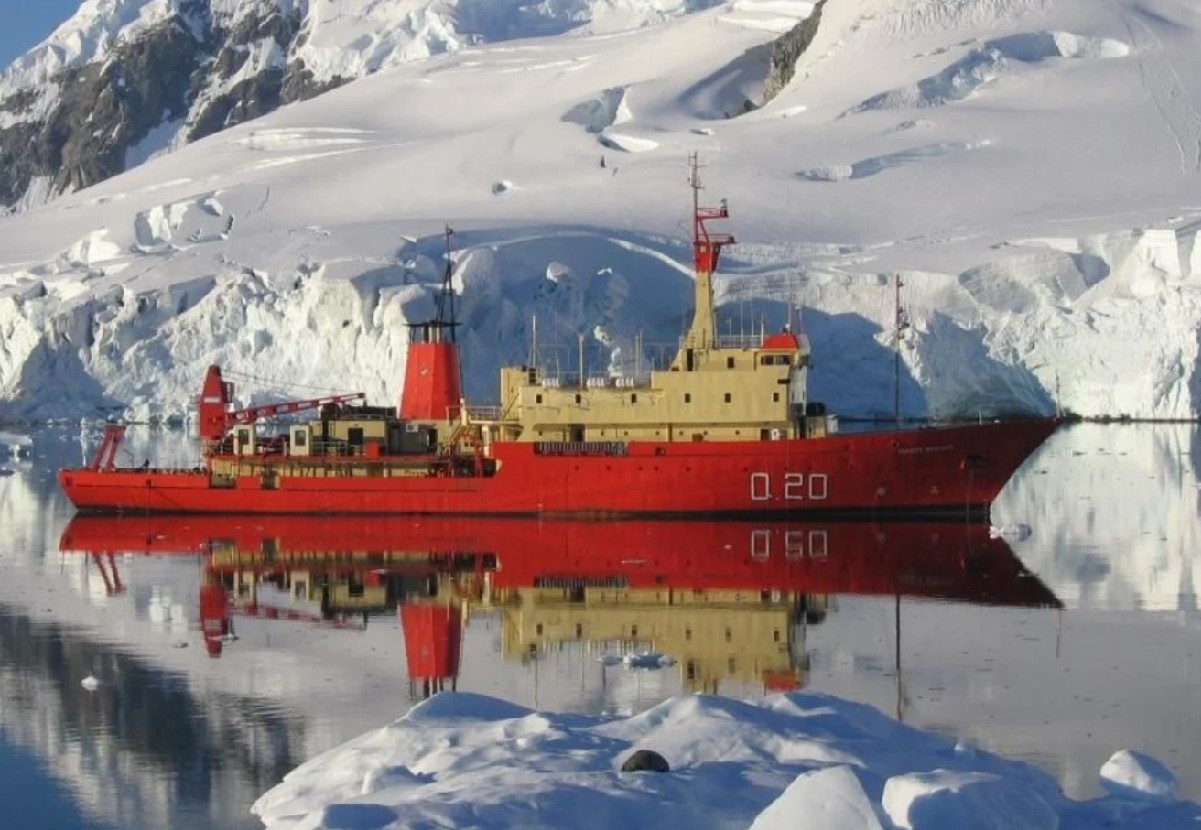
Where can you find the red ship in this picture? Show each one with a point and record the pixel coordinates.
(727, 429)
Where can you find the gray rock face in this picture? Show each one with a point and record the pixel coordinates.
(645, 760)
(787, 50)
(182, 70)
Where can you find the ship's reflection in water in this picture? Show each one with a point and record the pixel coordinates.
(725, 604)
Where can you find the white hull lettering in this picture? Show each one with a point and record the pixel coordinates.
(797, 487)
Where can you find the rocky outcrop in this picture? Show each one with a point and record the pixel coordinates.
(787, 50)
(172, 71)
(645, 760)
(195, 71)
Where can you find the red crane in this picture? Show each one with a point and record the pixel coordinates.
(217, 414)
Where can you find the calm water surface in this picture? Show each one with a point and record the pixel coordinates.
(226, 652)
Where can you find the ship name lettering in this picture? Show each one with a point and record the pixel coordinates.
(924, 450)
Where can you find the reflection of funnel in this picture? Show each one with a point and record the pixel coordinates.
(432, 634)
(214, 617)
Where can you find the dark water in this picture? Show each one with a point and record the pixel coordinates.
(259, 643)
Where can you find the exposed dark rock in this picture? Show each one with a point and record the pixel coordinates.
(300, 84)
(787, 50)
(23, 155)
(645, 760)
(168, 74)
(19, 101)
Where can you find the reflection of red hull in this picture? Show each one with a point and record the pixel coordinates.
(952, 561)
(942, 471)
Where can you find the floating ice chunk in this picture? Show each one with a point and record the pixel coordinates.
(1129, 773)
(1017, 531)
(804, 760)
(17, 445)
(90, 683)
(980, 800)
(830, 797)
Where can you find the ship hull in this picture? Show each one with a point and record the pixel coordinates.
(938, 472)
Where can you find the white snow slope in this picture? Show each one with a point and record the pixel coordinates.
(798, 760)
(1031, 168)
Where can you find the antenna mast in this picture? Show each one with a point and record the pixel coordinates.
(446, 295)
(706, 249)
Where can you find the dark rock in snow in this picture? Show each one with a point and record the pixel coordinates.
(645, 760)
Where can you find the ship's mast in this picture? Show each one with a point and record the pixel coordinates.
(446, 296)
(706, 249)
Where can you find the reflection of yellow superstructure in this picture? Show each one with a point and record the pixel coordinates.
(714, 635)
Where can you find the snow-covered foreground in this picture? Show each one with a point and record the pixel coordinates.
(797, 760)
(1030, 167)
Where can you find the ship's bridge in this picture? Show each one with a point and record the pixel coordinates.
(739, 387)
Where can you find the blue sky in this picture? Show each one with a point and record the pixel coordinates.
(27, 22)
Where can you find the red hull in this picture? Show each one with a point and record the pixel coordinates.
(949, 561)
(929, 472)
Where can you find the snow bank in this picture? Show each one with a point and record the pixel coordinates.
(1133, 773)
(784, 761)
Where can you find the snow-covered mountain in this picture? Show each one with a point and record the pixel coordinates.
(1031, 168)
(123, 80)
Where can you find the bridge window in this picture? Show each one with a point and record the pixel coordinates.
(775, 360)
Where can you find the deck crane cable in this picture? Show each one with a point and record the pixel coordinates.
(275, 385)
